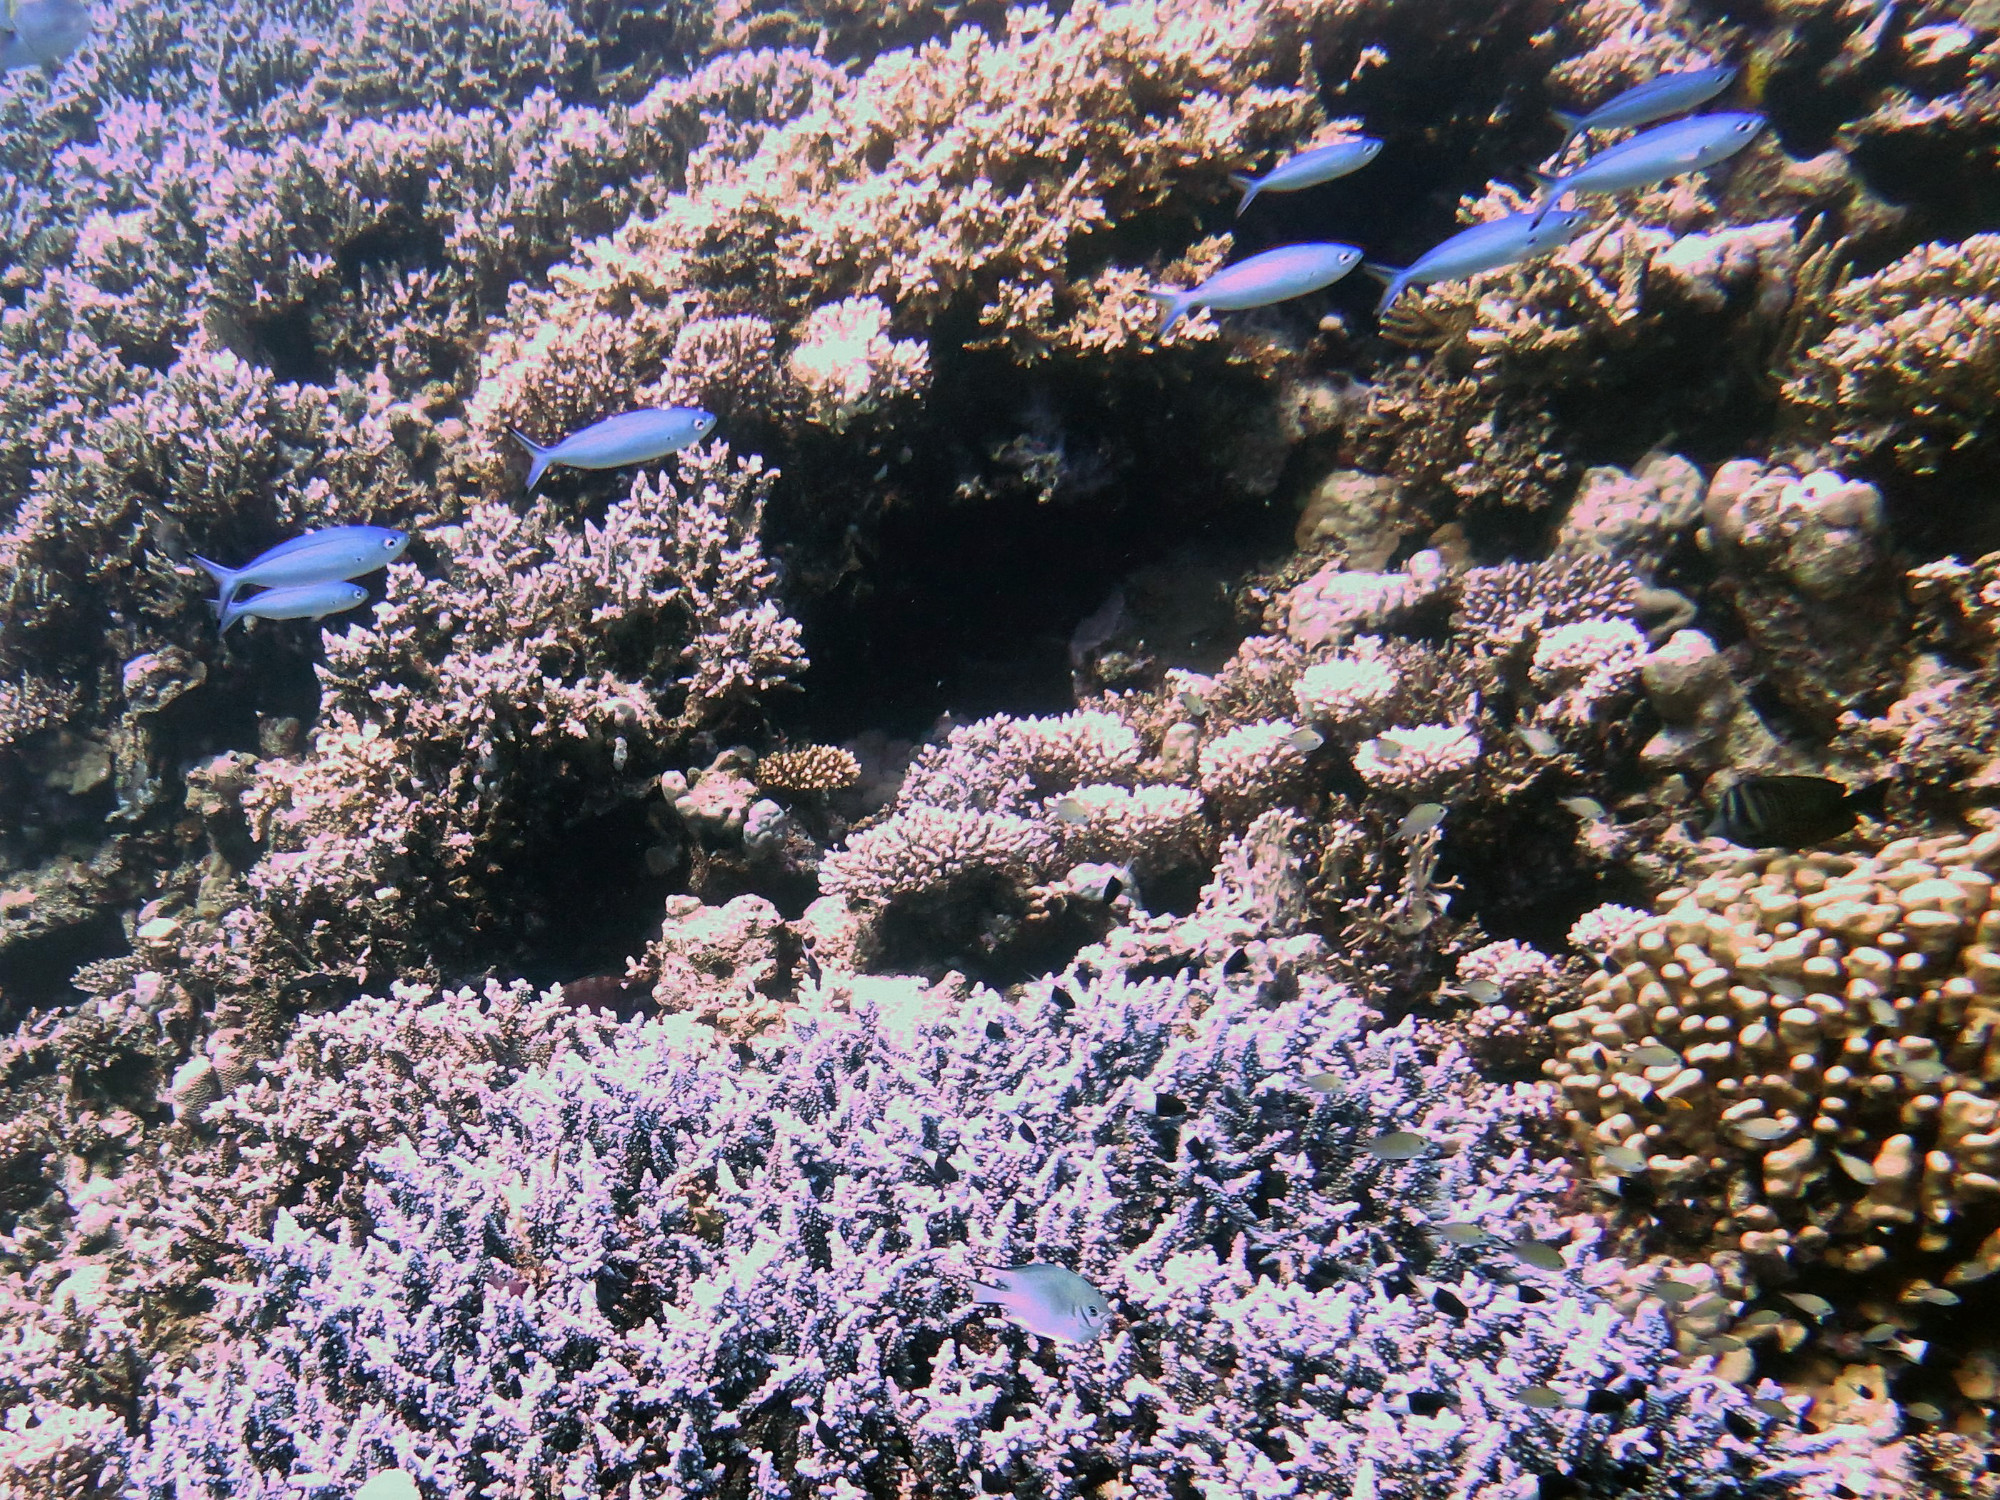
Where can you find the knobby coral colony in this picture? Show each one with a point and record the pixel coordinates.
(510, 1042)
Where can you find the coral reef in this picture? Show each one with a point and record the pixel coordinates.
(532, 1036)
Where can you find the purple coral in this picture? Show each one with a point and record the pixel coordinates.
(663, 1267)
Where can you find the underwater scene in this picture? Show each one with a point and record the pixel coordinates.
(921, 749)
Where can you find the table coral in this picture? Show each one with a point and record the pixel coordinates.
(1822, 1066)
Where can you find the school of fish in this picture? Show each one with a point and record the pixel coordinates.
(1657, 155)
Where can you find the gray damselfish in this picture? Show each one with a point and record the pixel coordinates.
(635, 437)
(333, 552)
(1310, 168)
(1656, 99)
(41, 33)
(305, 601)
(1483, 247)
(1048, 1300)
(1691, 145)
(1274, 276)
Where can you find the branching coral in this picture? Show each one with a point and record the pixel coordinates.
(1908, 364)
(448, 723)
(664, 1229)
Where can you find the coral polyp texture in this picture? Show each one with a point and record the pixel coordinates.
(1809, 1044)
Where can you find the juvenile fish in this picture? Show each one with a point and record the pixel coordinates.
(1309, 168)
(1692, 145)
(1420, 820)
(322, 556)
(1398, 1145)
(1761, 812)
(1275, 276)
(633, 437)
(1483, 247)
(305, 601)
(41, 33)
(1656, 99)
(1048, 1300)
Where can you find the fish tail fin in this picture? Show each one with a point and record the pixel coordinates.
(1571, 123)
(1872, 799)
(1248, 186)
(538, 457)
(1547, 190)
(1173, 307)
(1392, 279)
(228, 614)
(225, 579)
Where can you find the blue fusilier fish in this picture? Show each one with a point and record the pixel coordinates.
(322, 556)
(304, 601)
(1691, 145)
(1483, 247)
(1274, 276)
(1309, 168)
(41, 33)
(633, 438)
(1048, 1300)
(1656, 99)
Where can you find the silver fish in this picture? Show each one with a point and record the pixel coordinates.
(1048, 1300)
(1274, 276)
(305, 601)
(332, 552)
(1398, 1145)
(1483, 247)
(41, 33)
(1541, 1257)
(1656, 99)
(1691, 145)
(633, 437)
(1420, 820)
(1309, 168)
(1538, 741)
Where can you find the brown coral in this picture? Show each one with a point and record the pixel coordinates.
(1810, 1045)
(812, 769)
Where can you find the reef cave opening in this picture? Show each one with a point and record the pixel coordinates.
(967, 576)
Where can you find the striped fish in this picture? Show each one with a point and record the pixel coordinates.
(1789, 812)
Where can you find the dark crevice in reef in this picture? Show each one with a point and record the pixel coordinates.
(585, 900)
(284, 342)
(35, 972)
(965, 585)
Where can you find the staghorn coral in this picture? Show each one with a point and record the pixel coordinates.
(1821, 1081)
(664, 1228)
(847, 365)
(1024, 128)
